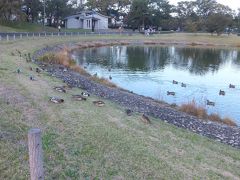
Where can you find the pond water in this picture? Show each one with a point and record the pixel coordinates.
(150, 70)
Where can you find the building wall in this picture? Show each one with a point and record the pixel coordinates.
(73, 23)
(102, 23)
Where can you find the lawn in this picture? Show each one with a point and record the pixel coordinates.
(31, 27)
(82, 141)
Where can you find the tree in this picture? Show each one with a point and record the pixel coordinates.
(106, 6)
(161, 12)
(139, 14)
(32, 9)
(10, 8)
(186, 15)
(217, 23)
(56, 10)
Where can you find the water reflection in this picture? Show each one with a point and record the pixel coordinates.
(149, 70)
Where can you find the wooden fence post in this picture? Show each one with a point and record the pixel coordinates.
(35, 154)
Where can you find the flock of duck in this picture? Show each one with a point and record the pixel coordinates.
(63, 89)
(77, 97)
(209, 103)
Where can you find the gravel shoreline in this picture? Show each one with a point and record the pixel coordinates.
(138, 103)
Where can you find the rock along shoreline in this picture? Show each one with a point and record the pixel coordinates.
(138, 103)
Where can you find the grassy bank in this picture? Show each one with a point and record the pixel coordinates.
(31, 27)
(81, 140)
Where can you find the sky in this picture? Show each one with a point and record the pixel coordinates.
(233, 4)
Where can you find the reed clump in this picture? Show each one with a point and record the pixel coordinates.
(63, 58)
(193, 109)
(103, 81)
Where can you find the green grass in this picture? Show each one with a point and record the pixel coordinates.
(32, 27)
(24, 27)
(82, 141)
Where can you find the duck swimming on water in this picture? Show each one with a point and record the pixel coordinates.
(183, 85)
(231, 86)
(221, 93)
(171, 93)
(210, 103)
(174, 82)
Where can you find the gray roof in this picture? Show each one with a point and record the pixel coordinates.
(82, 15)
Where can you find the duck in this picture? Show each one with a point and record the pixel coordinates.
(32, 78)
(38, 70)
(86, 94)
(95, 75)
(56, 100)
(222, 92)
(67, 86)
(129, 112)
(99, 103)
(231, 86)
(171, 93)
(18, 70)
(59, 89)
(79, 98)
(145, 119)
(110, 77)
(183, 85)
(174, 82)
(210, 103)
(19, 52)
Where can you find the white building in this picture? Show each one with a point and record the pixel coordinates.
(87, 20)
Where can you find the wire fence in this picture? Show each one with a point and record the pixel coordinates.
(17, 36)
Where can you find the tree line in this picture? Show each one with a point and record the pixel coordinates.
(191, 16)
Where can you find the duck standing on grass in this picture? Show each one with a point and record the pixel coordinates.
(99, 103)
(56, 100)
(145, 119)
(79, 98)
(129, 112)
(86, 94)
(60, 89)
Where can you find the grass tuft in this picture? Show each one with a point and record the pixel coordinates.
(80, 70)
(193, 109)
(63, 58)
(103, 81)
(229, 122)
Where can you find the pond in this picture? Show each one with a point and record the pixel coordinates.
(150, 71)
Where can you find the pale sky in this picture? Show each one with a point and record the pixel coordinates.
(233, 4)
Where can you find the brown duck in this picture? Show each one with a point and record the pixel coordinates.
(99, 103)
(56, 100)
(145, 119)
